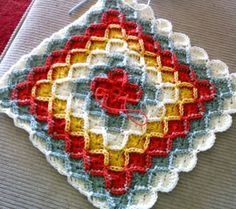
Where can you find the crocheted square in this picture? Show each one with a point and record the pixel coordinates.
(119, 103)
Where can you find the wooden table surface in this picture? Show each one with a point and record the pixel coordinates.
(28, 181)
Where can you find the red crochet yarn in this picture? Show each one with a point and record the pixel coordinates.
(114, 93)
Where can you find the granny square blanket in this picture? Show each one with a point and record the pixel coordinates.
(119, 103)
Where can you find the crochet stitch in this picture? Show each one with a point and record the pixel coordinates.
(119, 104)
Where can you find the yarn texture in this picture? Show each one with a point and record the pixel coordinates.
(119, 103)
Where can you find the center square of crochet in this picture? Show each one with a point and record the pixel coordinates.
(92, 93)
(115, 92)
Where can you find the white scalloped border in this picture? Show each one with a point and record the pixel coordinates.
(165, 181)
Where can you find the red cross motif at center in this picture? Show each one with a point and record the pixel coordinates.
(115, 92)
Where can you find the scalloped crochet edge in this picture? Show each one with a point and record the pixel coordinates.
(187, 161)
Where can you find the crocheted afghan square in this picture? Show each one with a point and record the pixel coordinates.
(119, 103)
